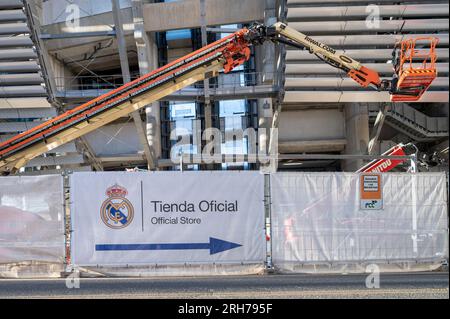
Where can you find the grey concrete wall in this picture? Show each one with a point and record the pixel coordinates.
(115, 139)
(55, 11)
(357, 131)
(186, 14)
(311, 125)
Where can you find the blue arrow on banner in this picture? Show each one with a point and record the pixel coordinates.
(215, 246)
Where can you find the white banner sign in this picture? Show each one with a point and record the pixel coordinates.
(167, 218)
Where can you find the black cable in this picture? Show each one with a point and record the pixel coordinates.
(332, 64)
(289, 42)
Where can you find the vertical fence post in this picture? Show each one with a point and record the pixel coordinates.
(447, 185)
(413, 164)
(67, 219)
(414, 236)
(268, 221)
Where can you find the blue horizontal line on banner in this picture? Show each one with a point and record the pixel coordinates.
(179, 246)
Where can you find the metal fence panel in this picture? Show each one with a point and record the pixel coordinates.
(32, 219)
(316, 219)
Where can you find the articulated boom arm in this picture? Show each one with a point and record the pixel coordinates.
(410, 81)
(282, 33)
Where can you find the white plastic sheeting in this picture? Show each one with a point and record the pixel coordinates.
(317, 224)
(32, 226)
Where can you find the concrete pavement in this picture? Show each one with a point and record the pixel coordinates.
(403, 285)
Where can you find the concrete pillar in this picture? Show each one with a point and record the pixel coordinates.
(357, 134)
(265, 114)
(268, 48)
(374, 142)
(148, 61)
(33, 9)
(124, 65)
(153, 111)
(208, 111)
(208, 103)
(266, 57)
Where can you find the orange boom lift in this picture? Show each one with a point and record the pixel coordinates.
(415, 68)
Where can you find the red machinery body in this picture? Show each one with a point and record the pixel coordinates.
(385, 165)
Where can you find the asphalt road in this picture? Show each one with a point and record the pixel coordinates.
(406, 285)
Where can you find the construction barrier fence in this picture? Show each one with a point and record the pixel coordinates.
(32, 235)
(221, 222)
(327, 222)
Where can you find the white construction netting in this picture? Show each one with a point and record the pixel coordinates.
(31, 226)
(317, 223)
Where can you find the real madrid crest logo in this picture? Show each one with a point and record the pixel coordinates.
(117, 211)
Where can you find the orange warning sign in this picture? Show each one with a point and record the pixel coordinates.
(371, 191)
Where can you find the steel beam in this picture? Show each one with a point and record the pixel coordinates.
(376, 130)
(11, 4)
(335, 145)
(359, 26)
(189, 94)
(294, 3)
(19, 41)
(334, 12)
(24, 103)
(72, 168)
(19, 67)
(20, 79)
(329, 96)
(14, 28)
(374, 40)
(314, 83)
(74, 35)
(12, 15)
(23, 91)
(321, 68)
(56, 160)
(222, 30)
(127, 78)
(13, 113)
(382, 55)
(89, 153)
(340, 157)
(122, 158)
(224, 158)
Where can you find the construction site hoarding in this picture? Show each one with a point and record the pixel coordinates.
(319, 224)
(167, 218)
(32, 223)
